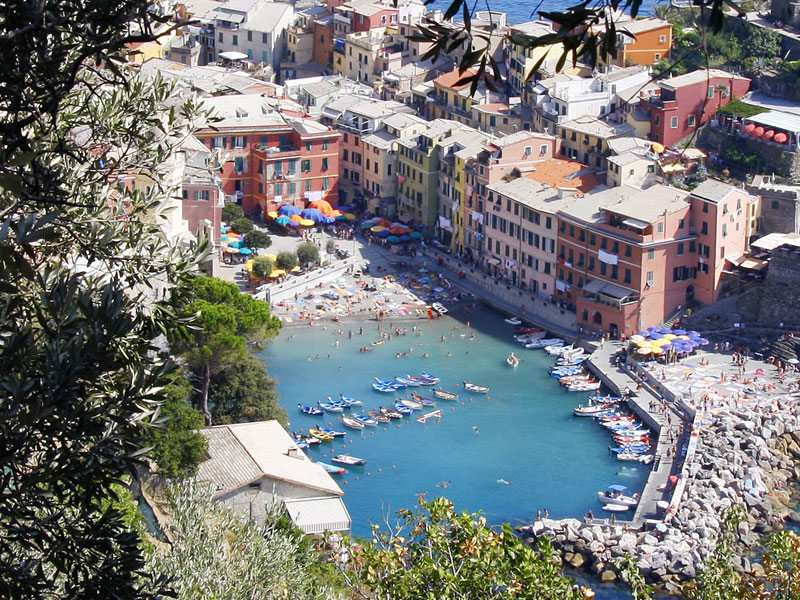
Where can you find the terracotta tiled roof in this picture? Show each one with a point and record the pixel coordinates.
(449, 79)
(562, 173)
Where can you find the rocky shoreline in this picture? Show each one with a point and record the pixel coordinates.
(747, 455)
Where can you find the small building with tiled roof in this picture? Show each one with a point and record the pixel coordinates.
(251, 466)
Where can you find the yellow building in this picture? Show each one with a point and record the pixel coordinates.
(585, 139)
(523, 60)
(362, 50)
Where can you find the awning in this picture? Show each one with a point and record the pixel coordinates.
(494, 261)
(631, 222)
(318, 515)
(594, 286)
(598, 286)
(231, 55)
(230, 17)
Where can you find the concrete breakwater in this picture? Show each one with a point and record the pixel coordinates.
(746, 452)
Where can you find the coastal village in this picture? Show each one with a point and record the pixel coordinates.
(645, 222)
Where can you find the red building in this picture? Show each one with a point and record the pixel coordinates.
(364, 17)
(271, 156)
(686, 102)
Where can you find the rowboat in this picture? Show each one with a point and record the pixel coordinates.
(512, 360)
(346, 459)
(615, 507)
(309, 410)
(584, 387)
(592, 410)
(321, 435)
(407, 382)
(424, 400)
(349, 401)
(329, 407)
(365, 419)
(475, 389)
(428, 376)
(413, 405)
(393, 384)
(423, 380)
(544, 342)
(352, 423)
(332, 469)
(402, 409)
(445, 395)
(392, 414)
(513, 321)
(378, 416)
(525, 330)
(439, 308)
(526, 338)
(386, 389)
(334, 432)
(309, 440)
(434, 414)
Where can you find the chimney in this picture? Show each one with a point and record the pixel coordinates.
(294, 452)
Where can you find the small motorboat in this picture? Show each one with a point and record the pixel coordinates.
(346, 459)
(475, 389)
(334, 432)
(558, 349)
(526, 338)
(429, 377)
(378, 416)
(615, 507)
(365, 419)
(321, 435)
(352, 423)
(309, 440)
(444, 395)
(525, 330)
(584, 387)
(438, 307)
(393, 384)
(424, 400)
(331, 407)
(591, 410)
(434, 414)
(615, 494)
(512, 360)
(392, 414)
(407, 382)
(332, 469)
(423, 380)
(402, 409)
(544, 343)
(513, 321)
(310, 410)
(349, 401)
(412, 404)
(386, 389)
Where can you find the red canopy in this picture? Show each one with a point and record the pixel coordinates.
(749, 127)
(758, 131)
(781, 137)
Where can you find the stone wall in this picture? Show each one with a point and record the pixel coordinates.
(779, 209)
(780, 301)
(781, 162)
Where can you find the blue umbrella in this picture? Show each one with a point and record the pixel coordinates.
(644, 333)
(679, 331)
(245, 251)
(236, 244)
(327, 220)
(416, 235)
(702, 341)
(655, 336)
(694, 334)
(344, 209)
(313, 214)
(405, 238)
(384, 234)
(288, 210)
(393, 239)
(284, 220)
(294, 224)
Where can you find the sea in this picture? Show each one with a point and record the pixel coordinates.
(520, 12)
(509, 454)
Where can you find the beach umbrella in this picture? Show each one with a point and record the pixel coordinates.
(384, 233)
(694, 334)
(349, 216)
(644, 351)
(416, 235)
(314, 214)
(249, 264)
(758, 131)
(341, 217)
(295, 224)
(655, 335)
(230, 250)
(657, 148)
(245, 251)
(405, 238)
(334, 213)
(367, 224)
(295, 269)
(656, 350)
(383, 222)
(393, 239)
(769, 134)
(643, 344)
(780, 137)
(670, 336)
(644, 333)
(793, 361)
(307, 223)
(273, 214)
(749, 127)
(284, 220)
(702, 341)
(680, 332)
(289, 210)
(322, 206)
(223, 229)
(636, 338)
(328, 220)
(296, 218)
(236, 244)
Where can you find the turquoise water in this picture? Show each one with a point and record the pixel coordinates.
(526, 433)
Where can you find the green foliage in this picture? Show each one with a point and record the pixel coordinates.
(286, 260)
(257, 239)
(744, 160)
(763, 43)
(307, 253)
(231, 211)
(633, 576)
(241, 391)
(438, 553)
(330, 246)
(242, 225)
(177, 446)
(741, 109)
(216, 555)
(263, 266)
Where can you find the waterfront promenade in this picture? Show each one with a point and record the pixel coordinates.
(660, 416)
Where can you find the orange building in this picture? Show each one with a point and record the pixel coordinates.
(649, 41)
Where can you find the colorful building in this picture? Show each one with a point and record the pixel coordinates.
(585, 139)
(522, 60)
(643, 42)
(687, 101)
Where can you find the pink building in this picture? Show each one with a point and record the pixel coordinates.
(629, 258)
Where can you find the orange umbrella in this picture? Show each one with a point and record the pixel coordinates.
(322, 206)
(296, 218)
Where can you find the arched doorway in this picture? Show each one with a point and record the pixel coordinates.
(613, 331)
(689, 293)
(597, 319)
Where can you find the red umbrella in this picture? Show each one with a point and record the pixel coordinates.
(769, 134)
(758, 131)
(673, 479)
(781, 137)
(749, 127)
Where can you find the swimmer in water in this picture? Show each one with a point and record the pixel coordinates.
(475, 429)
(426, 355)
(443, 484)
(504, 482)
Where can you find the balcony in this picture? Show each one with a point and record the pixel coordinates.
(279, 150)
(609, 294)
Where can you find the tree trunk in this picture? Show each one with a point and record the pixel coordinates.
(204, 394)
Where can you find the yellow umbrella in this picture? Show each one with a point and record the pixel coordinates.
(662, 342)
(657, 148)
(669, 336)
(377, 229)
(643, 344)
(308, 223)
(249, 264)
(350, 216)
(294, 269)
(271, 257)
(637, 338)
(272, 214)
(684, 337)
(657, 350)
(277, 273)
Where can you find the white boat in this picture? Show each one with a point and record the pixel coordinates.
(544, 342)
(477, 389)
(438, 307)
(615, 507)
(434, 414)
(352, 423)
(591, 410)
(412, 404)
(513, 321)
(530, 337)
(513, 360)
(558, 349)
(584, 387)
(346, 459)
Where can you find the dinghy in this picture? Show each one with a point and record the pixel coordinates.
(475, 389)
(445, 395)
(346, 459)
